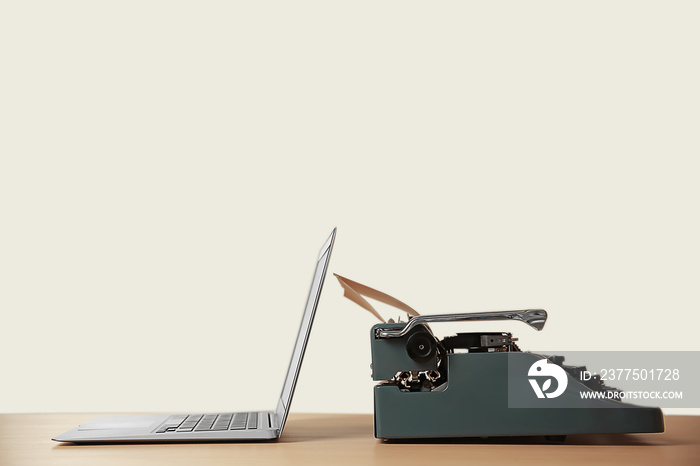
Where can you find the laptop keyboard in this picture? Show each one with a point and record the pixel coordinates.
(209, 422)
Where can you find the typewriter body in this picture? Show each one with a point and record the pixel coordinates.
(460, 386)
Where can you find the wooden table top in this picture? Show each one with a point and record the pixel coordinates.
(345, 439)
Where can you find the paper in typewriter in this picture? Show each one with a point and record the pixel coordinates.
(355, 291)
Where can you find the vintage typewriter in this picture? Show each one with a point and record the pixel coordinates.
(480, 384)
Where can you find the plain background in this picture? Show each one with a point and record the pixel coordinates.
(169, 170)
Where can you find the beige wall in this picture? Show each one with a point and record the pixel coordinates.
(169, 170)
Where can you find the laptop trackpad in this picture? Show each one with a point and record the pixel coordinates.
(121, 422)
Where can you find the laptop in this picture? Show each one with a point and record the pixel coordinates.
(208, 427)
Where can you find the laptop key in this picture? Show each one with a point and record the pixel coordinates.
(171, 424)
(253, 421)
(206, 422)
(186, 426)
(239, 421)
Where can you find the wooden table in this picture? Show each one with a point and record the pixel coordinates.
(345, 439)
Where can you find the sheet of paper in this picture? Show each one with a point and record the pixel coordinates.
(355, 291)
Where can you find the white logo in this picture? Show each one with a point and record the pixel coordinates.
(543, 368)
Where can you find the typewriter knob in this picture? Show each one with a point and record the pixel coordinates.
(420, 347)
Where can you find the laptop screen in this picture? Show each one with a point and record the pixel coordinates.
(304, 330)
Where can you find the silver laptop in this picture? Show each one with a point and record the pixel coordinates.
(207, 427)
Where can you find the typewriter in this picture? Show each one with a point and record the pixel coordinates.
(481, 384)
